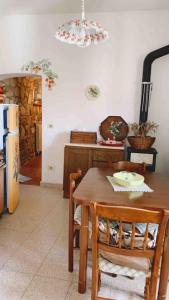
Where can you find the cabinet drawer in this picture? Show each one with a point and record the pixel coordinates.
(108, 155)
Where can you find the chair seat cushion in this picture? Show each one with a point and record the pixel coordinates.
(139, 238)
(138, 263)
(77, 219)
(77, 215)
(109, 267)
(127, 233)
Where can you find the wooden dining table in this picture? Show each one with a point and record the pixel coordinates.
(96, 187)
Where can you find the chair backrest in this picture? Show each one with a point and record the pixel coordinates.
(128, 215)
(127, 166)
(74, 181)
(132, 215)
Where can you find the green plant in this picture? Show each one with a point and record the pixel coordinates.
(143, 129)
(114, 128)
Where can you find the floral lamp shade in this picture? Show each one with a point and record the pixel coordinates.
(81, 32)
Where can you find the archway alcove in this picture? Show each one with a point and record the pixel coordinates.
(25, 90)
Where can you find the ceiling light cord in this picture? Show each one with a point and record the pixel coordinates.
(83, 10)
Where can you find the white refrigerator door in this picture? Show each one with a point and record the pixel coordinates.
(13, 117)
(12, 168)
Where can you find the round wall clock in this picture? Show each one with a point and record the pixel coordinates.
(92, 92)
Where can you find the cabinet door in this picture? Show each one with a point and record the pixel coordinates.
(102, 156)
(74, 159)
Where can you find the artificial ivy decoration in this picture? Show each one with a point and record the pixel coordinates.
(42, 66)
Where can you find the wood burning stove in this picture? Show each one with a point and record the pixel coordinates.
(146, 80)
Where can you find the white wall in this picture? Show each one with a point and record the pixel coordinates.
(115, 66)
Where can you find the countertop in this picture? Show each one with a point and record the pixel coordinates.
(97, 146)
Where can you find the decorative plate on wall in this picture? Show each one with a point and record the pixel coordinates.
(92, 92)
(114, 127)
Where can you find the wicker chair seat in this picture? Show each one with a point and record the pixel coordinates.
(108, 267)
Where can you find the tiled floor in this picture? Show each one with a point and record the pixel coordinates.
(33, 252)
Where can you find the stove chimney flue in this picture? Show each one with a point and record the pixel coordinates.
(146, 80)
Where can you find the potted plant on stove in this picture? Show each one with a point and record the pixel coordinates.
(141, 140)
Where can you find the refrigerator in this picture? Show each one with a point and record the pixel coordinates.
(9, 140)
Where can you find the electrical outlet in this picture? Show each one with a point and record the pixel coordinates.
(50, 168)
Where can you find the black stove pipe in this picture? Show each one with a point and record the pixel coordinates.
(146, 82)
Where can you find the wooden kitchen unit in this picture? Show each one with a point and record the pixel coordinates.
(1, 188)
(85, 156)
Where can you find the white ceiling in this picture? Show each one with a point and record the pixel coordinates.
(74, 6)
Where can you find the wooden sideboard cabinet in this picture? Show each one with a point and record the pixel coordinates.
(85, 156)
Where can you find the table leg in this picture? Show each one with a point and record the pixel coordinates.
(164, 273)
(83, 249)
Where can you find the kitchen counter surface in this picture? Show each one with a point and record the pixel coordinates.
(98, 146)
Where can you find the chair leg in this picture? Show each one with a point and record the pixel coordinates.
(95, 276)
(147, 289)
(99, 280)
(71, 237)
(77, 238)
(95, 283)
(70, 253)
(153, 287)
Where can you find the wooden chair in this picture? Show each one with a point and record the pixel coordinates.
(127, 166)
(74, 227)
(132, 253)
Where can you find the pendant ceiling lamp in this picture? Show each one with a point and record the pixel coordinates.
(81, 32)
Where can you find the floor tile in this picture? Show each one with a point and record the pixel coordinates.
(22, 223)
(40, 241)
(25, 260)
(5, 254)
(122, 288)
(56, 266)
(13, 284)
(42, 288)
(12, 238)
(60, 246)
